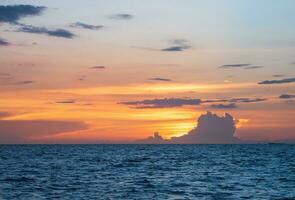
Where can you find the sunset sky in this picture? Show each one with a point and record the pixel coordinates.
(119, 70)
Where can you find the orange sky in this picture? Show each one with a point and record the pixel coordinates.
(50, 76)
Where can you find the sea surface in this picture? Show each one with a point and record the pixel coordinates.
(147, 172)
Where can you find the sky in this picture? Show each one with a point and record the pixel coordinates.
(119, 70)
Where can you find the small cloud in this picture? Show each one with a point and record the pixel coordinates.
(178, 45)
(160, 79)
(278, 75)
(235, 100)
(24, 82)
(97, 67)
(85, 26)
(82, 78)
(121, 17)
(163, 103)
(12, 13)
(254, 67)
(224, 106)
(2, 74)
(287, 96)
(66, 102)
(235, 65)
(281, 81)
(4, 114)
(45, 31)
(247, 100)
(4, 42)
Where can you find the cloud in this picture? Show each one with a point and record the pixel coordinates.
(281, 81)
(4, 114)
(211, 129)
(97, 67)
(278, 75)
(17, 131)
(179, 102)
(24, 82)
(235, 65)
(121, 16)
(45, 31)
(66, 102)
(155, 139)
(12, 13)
(224, 106)
(85, 26)
(4, 42)
(287, 96)
(246, 100)
(162, 103)
(160, 79)
(254, 67)
(177, 45)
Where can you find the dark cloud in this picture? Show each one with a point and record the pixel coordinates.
(163, 103)
(211, 129)
(17, 131)
(121, 17)
(179, 102)
(156, 139)
(287, 96)
(85, 26)
(4, 42)
(45, 31)
(235, 65)
(254, 67)
(12, 13)
(24, 82)
(66, 102)
(178, 45)
(160, 79)
(97, 67)
(224, 106)
(281, 81)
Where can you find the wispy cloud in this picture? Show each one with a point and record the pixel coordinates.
(278, 75)
(241, 66)
(122, 16)
(24, 82)
(281, 81)
(235, 65)
(86, 26)
(4, 42)
(247, 100)
(178, 45)
(45, 31)
(98, 67)
(66, 101)
(12, 13)
(287, 96)
(224, 106)
(163, 103)
(160, 79)
(254, 67)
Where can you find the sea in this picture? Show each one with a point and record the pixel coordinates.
(260, 171)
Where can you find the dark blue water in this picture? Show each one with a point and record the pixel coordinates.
(147, 172)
